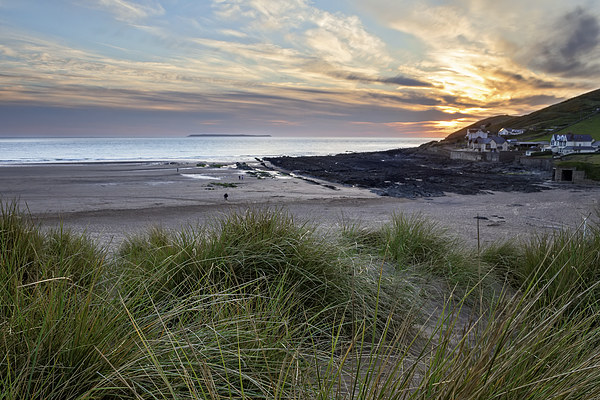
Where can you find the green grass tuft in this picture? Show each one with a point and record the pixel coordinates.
(224, 184)
(259, 306)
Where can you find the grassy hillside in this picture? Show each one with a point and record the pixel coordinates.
(258, 306)
(585, 158)
(590, 126)
(498, 120)
(567, 115)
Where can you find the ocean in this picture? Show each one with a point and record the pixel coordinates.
(188, 149)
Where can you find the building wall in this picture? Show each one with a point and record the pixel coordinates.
(466, 155)
(498, 156)
(492, 156)
(509, 156)
(569, 175)
(539, 163)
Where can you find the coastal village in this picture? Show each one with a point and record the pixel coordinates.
(563, 140)
(481, 141)
(506, 146)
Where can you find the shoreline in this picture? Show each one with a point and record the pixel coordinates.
(112, 201)
(125, 162)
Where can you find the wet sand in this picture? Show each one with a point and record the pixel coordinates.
(112, 201)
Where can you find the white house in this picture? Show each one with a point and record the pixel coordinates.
(534, 149)
(473, 134)
(571, 143)
(510, 132)
(492, 143)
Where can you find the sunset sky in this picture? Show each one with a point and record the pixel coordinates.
(287, 68)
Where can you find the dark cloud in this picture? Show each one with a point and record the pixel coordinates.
(537, 100)
(403, 81)
(396, 80)
(409, 98)
(531, 101)
(515, 79)
(459, 101)
(313, 91)
(584, 36)
(381, 115)
(575, 37)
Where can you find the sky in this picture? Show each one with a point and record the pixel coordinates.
(401, 68)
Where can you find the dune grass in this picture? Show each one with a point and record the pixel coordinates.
(260, 252)
(55, 322)
(561, 265)
(257, 305)
(414, 244)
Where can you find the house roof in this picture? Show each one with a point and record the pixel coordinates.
(538, 142)
(472, 132)
(571, 137)
(488, 140)
(580, 148)
(512, 130)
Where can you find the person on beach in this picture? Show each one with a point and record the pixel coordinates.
(225, 196)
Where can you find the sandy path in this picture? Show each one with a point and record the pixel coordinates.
(111, 201)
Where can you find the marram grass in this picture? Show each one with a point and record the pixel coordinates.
(257, 305)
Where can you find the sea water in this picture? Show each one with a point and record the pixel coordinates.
(187, 149)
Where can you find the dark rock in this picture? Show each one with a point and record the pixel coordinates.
(413, 173)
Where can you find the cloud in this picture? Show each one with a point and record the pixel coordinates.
(430, 128)
(573, 46)
(127, 10)
(340, 39)
(396, 80)
(47, 73)
(233, 32)
(335, 38)
(406, 98)
(404, 81)
(481, 55)
(515, 78)
(263, 14)
(537, 100)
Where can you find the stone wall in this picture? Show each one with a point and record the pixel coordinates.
(490, 156)
(466, 155)
(538, 163)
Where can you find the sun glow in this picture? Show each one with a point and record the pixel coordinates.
(452, 124)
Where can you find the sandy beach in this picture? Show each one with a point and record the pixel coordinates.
(114, 200)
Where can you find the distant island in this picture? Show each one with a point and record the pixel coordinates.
(226, 135)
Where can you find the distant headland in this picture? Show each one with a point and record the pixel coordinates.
(226, 135)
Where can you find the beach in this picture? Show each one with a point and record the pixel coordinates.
(112, 201)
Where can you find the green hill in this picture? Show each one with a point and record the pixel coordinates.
(580, 114)
(590, 126)
(498, 120)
